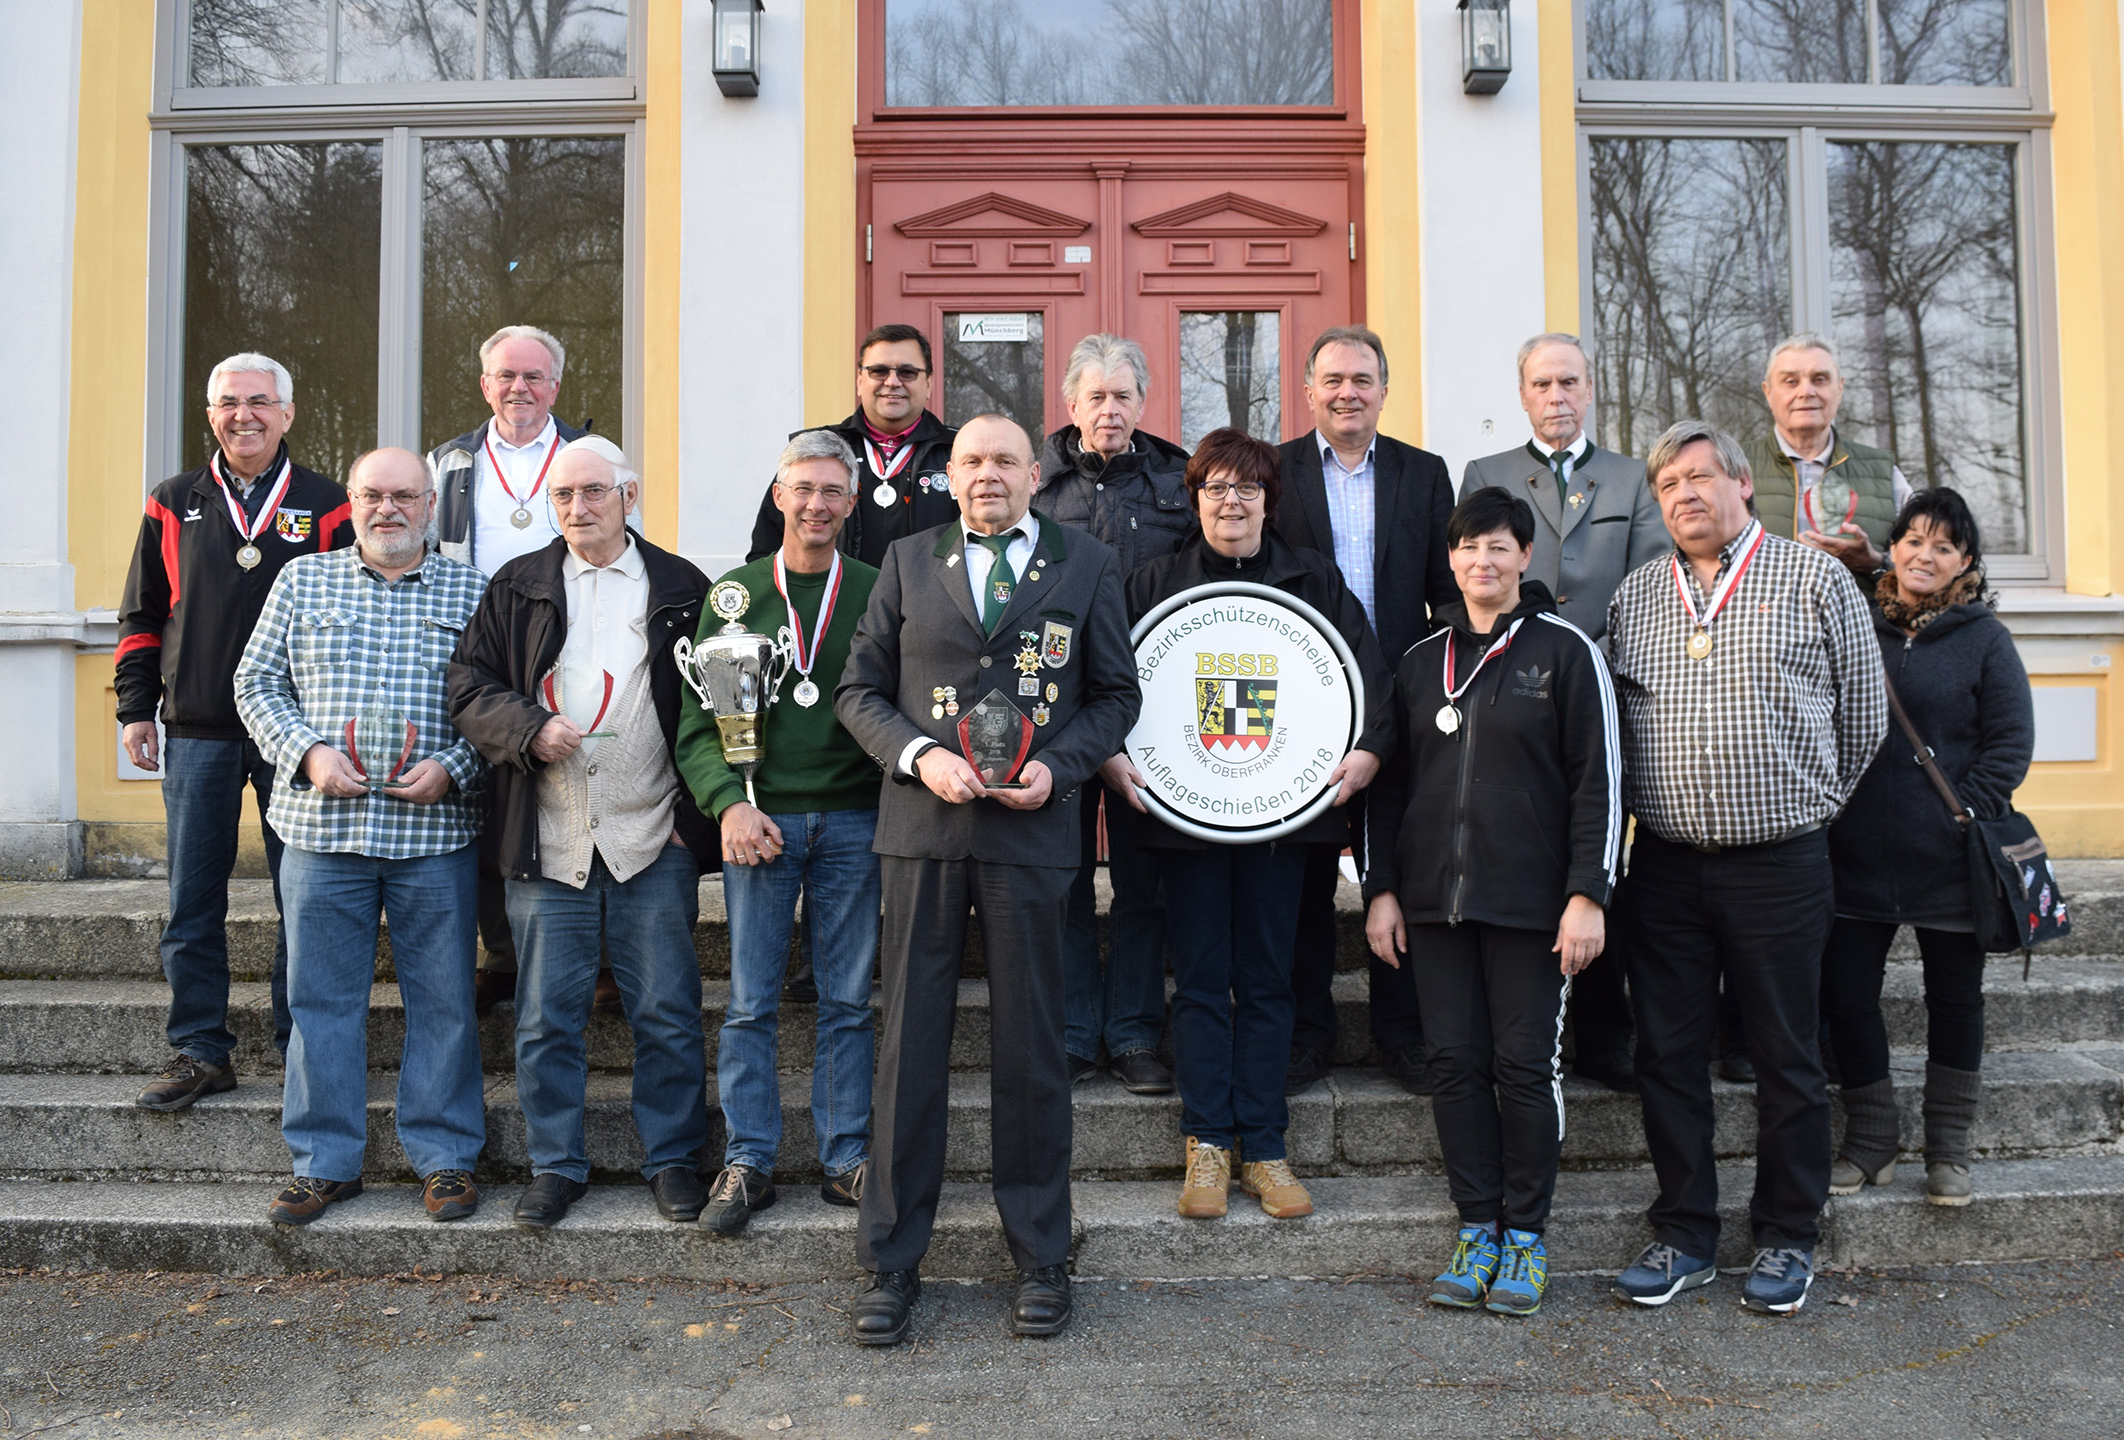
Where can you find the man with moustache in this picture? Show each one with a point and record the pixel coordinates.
(342, 687)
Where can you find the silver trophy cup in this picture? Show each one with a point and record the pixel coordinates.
(737, 675)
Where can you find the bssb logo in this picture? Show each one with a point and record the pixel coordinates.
(1235, 716)
(1208, 664)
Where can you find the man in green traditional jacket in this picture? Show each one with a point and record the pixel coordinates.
(810, 832)
(1812, 484)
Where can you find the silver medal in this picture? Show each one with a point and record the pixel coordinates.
(520, 517)
(806, 694)
(884, 495)
(1448, 719)
(248, 557)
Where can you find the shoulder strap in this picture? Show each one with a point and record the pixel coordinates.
(1962, 814)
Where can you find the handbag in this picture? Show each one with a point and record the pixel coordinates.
(2015, 900)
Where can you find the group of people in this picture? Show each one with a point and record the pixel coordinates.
(453, 687)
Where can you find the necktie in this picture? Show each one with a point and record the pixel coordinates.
(1002, 580)
(1559, 460)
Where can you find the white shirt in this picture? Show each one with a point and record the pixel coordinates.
(1574, 454)
(608, 616)
(495, 541)
(979, 561)
(1353, 515)
(1810, 472)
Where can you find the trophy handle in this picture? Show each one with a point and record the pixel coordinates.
(682, 652)
(780, 664)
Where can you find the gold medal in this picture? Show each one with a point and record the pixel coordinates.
(1699, 644)
(520, 517)
(1054, 692)
(249, 556)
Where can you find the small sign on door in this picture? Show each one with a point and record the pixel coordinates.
(980, 329)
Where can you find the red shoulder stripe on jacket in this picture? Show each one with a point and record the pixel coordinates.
(331, 522)
(171, 525)
(137, 642)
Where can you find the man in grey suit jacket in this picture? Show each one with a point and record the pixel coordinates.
(1595, 517)
(1048, 637)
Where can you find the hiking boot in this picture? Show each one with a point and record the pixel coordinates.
(1466, 1280)
(183, 1081)
(449, 1194)
(306, 1199)
(1209, 1181)
(1272, 1183)
(1522, 1276)
(739, 1193)
(1779, 1280)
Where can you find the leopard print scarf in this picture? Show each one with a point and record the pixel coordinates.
(1966, 587)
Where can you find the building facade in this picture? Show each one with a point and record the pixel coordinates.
(364, 188)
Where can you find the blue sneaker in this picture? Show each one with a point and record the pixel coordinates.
(1525, 1274)
(1467, 1279)
(1662, 1273)
(1778, 1281)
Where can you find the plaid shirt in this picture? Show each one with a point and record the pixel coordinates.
(1771, 731)
(335, 639)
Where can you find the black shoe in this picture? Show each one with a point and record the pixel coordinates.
(1618, 1072)
(184, 1080)
(545, 1201)
(801, 987)
(1042, 1306)
(1308, 1068)
(1081, 1069)
(677, 1191)
(845, 1188)
(881, 1311)
(491, 987)
(1142, 1073)
(1408, 1068)
(1737, 1067)
(739, 1191)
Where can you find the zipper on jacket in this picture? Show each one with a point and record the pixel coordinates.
(1466, 736)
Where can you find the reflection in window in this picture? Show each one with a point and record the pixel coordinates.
(523, 231)
(1110, 52)
(1691, 283)
(402, 40)
(310, 42)
(553, 39)
(996, 362)
(1820, 42)
(259, 42)
(1231, 373)
(1808, 42)
(1925, 305)
(281, 255)
(1946, 42)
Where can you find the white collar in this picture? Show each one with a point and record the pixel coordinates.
(1571, 449)
(543, 437)
(1327, 450)
(629, 564)
(1027, 525)
(1828, 448)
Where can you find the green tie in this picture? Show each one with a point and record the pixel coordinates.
(1557, 460)
(1002, 580)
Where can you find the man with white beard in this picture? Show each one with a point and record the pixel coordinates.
(342, 687)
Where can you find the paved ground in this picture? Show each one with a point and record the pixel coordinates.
(2016, 1351)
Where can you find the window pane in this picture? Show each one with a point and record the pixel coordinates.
(404, 40)
(1926, 308)
(258, 42)
(996, 362)
(1692, 283)
(1946, 42)
(1110, 52)
(555, 39)
(523, 231)
(1816, 42)
(1231, 373)
(1656, 40)
(281, 255)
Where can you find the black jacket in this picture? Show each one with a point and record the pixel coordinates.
(513, 640)
(453, 520)
(1897, 853)
(921, 495)
(1412, 497)
(189, 608)
(1313, 578)
(1136, 503)
(1521, 807)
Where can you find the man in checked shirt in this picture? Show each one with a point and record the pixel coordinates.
(342, 687)
(1751, 695)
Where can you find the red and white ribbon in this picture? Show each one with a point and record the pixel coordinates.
(502, 476)
(804, 659)
(1724, 592)
(884, 469)
(251, 531)
(1499, 648)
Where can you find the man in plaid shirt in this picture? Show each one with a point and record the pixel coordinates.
(342, 687)
(1751, 704)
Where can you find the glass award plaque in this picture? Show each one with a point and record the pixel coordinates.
(995, 735)
(379, 742)
(1831, 506)
(557, 690)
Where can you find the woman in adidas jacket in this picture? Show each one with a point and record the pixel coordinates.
(1495, 836)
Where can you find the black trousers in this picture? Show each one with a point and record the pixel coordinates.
(1493, 1001)
(1852, 969)
(1600, 1004)
(1397, 1019)
(497, 943)
(1762, 913)
(1021, 909)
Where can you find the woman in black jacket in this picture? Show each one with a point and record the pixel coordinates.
(1901, 858)
(1232, 912)
(1496, 833)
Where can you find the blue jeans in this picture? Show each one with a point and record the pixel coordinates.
(333, 901)
(828, 856)
(202, 802)
(1123, 1001)
(646, 926)
(1232, 1005)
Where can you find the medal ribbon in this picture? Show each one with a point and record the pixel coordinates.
(502, 475)
(265, 512)
(1497, 649)
(883, 469)
(1724, 592)
(550, 692)
(800, 659)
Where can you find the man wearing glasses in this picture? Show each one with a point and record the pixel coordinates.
(901, 487)
(211, 545)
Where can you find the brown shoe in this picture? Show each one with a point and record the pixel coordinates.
(606, 999)
(185, 1080)
(306, 1199)
(449, 1195)
(1272, 1183)
(1209, 1178)
(491, 987)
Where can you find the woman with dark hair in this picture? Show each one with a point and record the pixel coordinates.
(1232, 918)
(1496, 834)
(1901, 859)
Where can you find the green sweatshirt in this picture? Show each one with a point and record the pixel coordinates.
(811, 764)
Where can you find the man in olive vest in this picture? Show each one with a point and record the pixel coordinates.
(1811, 483)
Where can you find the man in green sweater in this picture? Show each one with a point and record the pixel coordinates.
(810, 833)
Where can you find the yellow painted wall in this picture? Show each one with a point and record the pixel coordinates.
(833, 241)
(1559, 167)
(662, 81)
(1393, 254)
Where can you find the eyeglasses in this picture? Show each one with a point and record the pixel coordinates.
(1218, 489)
(230, 404)
(588, 494)
(376, 499)
(805, 494)
(533, 378)
(905, 374)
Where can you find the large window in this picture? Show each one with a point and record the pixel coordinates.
(243, 43)
(1729, 204)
